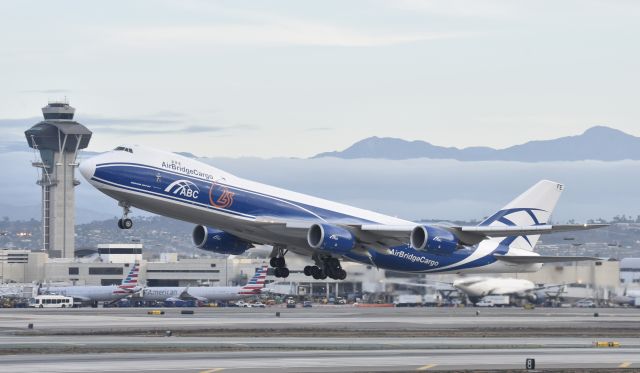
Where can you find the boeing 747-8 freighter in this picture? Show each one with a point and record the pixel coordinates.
(232, 214)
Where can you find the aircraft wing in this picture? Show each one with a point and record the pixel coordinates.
(472, 235)
(185, 295)
(81, 299)
(381, 236)
(528, 259)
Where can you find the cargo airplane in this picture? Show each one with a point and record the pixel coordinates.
(232, 214)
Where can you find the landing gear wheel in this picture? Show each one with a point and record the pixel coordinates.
(342, 274)
(127, 223)
(307, 271)
(330, 267)
(273, 262)
(282, 272)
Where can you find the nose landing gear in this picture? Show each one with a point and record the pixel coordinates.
(125, 222)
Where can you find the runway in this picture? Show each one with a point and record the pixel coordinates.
(323, 361)
(330, 321)
(338, 339)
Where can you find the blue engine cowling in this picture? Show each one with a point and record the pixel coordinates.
(218, 241)
(331, 238)
(434, 239)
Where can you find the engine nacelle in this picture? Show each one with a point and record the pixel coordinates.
(217, 241)
(434, 239)
(330, 238)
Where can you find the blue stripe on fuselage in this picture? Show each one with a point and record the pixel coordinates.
(152, 180)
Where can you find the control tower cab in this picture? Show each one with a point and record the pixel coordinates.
(58, 138)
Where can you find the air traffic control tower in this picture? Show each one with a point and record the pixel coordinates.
(58, 138)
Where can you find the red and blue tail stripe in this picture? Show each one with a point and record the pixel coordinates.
(256, 283)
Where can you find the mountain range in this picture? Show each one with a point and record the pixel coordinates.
(597, 143)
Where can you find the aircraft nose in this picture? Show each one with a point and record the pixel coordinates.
(87, 168)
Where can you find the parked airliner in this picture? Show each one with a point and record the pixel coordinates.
(207, 293)
(94, 294)
(232, 214)
(477, 287)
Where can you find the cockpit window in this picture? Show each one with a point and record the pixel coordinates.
(123, 149)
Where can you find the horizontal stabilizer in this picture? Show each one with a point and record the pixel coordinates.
(474, 234)
(532, 259)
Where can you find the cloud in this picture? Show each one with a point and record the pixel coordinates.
(142, 130)
(45, 91)
(319, 129)
(14, 146)
(21, 123)
(101, 121)
(155, 124)
(488, 9)
(273, 31)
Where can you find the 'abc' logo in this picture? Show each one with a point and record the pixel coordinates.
(183, 188)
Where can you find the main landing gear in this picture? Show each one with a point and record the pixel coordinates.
(327, 267)
(125, 222)
(279, 263)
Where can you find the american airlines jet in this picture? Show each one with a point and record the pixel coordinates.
(208, 293)
(89, 293)
(232, 214)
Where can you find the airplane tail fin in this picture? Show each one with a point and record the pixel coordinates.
(531, 208)
(131, 281)
(257, 282)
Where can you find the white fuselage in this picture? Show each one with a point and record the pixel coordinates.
(480, 287)
(211, 293)
(182, 188)
(88, 293)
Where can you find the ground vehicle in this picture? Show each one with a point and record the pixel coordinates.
(485, 303)
(585, 303)
(494, 301)
(243, 304)
(408, 300)
(291, 303)
(258, 304)
(51, 301)
(307, 304)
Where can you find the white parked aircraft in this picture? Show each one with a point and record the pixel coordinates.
(477, 287)
(208, 293)
(233, 214)
(94, 294)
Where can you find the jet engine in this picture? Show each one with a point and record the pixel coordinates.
(433, 239)
(217, 241)
(330, 238)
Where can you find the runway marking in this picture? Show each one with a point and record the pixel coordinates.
(428, 366)
(626, 364)
(212, 370)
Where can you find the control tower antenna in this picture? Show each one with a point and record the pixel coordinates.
(58, 138)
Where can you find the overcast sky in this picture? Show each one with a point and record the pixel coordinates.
(295, 78)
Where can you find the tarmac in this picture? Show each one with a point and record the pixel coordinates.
(319, 339)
